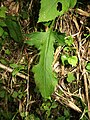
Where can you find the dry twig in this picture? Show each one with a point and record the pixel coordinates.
(11, 70)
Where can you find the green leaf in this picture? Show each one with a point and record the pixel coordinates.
(13, 65)
(72, 3)
(8, 52)
(15, 71)
(36, 38)
(14, 29)
(3, 12)
(3, 61)
(54, 105)
(49, 10)
(69, 41)
(70, 77)
(60, 38)
(88, 66)
(64, 58)
(44, 77)
(2, 23)
(73, 60)
(16, 68)
(61, 118)
(2, 93)
(5, 34)
(15, 94)
(66, 113)
(1, 31)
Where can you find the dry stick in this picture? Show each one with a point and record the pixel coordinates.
(28, 86)
(10, 70)
(86, 86)
(66, 101)
(28, 91)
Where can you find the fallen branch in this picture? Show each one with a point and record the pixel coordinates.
(10, 70)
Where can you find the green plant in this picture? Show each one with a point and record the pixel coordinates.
(66, 57)
(16, 68)
(44, 41)
(47, 107)
(9, 27)
(45, 78)
(70, 77)
(14, 29)
(3, 33)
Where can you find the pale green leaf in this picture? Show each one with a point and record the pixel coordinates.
(49, 10)
(70, 77)
(73, 60)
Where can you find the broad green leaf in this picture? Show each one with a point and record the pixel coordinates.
(70, 77)
(14, 29)
(1, 31)
(73, 60)
(49, 10)
(88, 66)
(44, 76)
